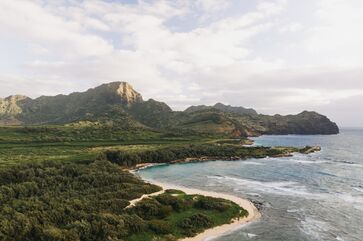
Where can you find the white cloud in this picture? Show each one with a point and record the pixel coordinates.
(263, 55)
(31, 22)
(338, 35)
(291, 27)
(213, 5)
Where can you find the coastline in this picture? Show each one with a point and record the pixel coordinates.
(289, 153)
(253, 213)
(212, 233)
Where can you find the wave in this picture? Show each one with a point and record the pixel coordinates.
(314, 228)
(303, 161)
(253, 163)
(349, 198)
(287, 188)
(349, 164)
(279, 188)
(295, 210)
(319, 229)
(359, 189)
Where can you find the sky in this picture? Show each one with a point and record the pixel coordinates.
(277, 56)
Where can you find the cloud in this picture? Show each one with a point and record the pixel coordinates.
(11, 85)
(338, 35)
(277, 56)
(291, 27)
(212, 5)
(33, 23)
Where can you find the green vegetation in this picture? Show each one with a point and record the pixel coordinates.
(55, 201)
(78, 143)
(209, 151)
(175, 214)
(56, 184)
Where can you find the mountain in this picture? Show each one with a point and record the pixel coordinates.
(60, 109)
(117, 104)
(224, 108)
(306, 122)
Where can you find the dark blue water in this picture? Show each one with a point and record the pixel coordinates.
(305, 197)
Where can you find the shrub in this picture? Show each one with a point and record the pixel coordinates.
(191, 225)
(210, 203)
(160, 226)
(149, 208)
(175, 202)
(134, 223)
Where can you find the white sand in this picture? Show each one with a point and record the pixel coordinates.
(134, 201)
(209, 234)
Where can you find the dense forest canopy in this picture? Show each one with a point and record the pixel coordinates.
(84, 202)
(174, 153)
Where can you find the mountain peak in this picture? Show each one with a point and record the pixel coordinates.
(121, 89)
(15, 98)
(127, 92)
(9, 105)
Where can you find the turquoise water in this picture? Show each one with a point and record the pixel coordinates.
(305, 197)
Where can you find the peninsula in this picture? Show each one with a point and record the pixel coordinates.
(65, 161)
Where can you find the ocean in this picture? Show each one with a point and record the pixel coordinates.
(305, 197)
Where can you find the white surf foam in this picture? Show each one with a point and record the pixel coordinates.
(279, 188)
(359, 189)
(253, 163)
(302, 161)
(286, 188)
(314, 228)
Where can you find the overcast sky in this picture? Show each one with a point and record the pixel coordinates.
(280, 56)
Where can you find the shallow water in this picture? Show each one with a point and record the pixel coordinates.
(305, 197)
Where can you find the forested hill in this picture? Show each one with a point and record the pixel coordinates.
(117, 104)
(224, 108)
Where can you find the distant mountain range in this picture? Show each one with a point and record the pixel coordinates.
(117, 103)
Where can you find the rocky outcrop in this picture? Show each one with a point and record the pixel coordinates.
(10, 105)
(310, 149)
(115, 92)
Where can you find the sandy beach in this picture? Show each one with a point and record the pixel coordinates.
(215, 232)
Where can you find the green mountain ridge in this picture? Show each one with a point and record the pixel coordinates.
(222, 107)
(118, 104)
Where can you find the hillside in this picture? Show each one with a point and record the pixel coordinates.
(117, 104)
(224, 108)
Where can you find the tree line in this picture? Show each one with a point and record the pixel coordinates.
(169, 154)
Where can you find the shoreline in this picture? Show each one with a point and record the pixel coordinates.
(212, 233)
(306, 150)
(208, 234)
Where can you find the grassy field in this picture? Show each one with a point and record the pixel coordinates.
(72, 144)
(34, 144)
